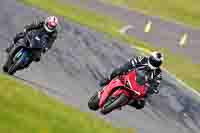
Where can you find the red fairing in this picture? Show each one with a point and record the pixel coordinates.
(108, 89)
(120, 91)
(138, 89)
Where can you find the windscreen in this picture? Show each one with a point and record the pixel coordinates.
(141, 77)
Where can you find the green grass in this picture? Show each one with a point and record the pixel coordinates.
(186, 11)
(24, 110)
(175, 64)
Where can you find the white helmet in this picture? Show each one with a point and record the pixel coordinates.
(51, 23)
(155, 60)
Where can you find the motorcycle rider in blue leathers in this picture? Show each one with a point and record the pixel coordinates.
(47, 26)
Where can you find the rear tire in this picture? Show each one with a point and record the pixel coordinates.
(93, 103)
(115, 104)
(138, 104)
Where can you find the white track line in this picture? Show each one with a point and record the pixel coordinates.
(125, 29)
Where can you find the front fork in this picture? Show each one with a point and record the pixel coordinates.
(112, 96)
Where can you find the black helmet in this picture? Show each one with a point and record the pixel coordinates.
(155, 60)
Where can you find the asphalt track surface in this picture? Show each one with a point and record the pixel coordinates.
(163, 34)
(71, 70)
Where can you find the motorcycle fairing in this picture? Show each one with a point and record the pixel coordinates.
(107, 90)
(134, 86)
(26, 57)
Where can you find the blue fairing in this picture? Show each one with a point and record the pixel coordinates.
(23, 53)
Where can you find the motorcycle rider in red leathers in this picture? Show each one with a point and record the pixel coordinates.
(150, 64)
(47, 26)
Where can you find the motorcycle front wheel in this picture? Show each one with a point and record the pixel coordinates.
(6, 65)
(93, 103)
(113, 104)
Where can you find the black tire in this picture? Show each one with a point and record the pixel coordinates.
(6, 65)
(5, 69)
(138, 104)
(13, 69)
(110, 105)
(93, 103)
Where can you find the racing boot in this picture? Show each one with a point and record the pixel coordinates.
(37, 56)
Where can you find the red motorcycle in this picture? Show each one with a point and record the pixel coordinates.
(130, 86)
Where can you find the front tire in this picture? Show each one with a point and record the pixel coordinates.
(122, 99)
(5, 67)
(13, 68)
(93, 103)
(7, 64)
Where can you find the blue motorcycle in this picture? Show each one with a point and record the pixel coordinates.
(24, 54)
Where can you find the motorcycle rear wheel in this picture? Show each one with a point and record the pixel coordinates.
(138, 104)
(114, 104)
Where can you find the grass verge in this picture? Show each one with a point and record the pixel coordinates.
(175, 64)
(186, 11)
(24, 110)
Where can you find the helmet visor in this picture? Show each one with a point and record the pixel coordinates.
(50, 26)
(154, 62)
(141, 77)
